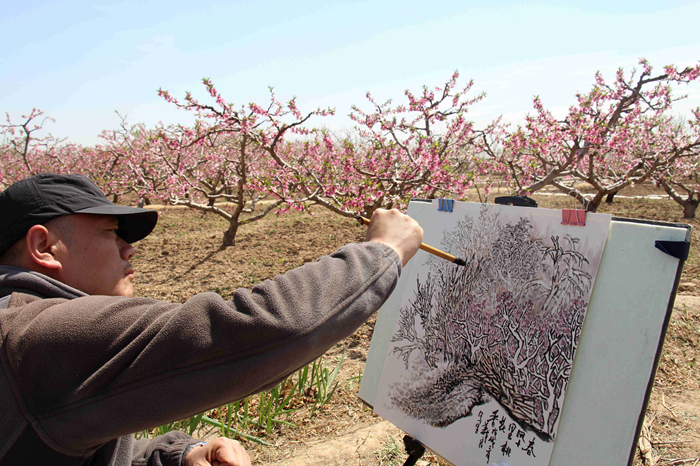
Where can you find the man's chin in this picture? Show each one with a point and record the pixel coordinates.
(124, 289)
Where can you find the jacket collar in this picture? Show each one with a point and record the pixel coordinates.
(15, 279)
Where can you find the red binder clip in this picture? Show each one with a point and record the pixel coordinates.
(574, 216)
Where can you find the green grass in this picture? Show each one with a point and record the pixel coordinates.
(392, 453)
(257, 416)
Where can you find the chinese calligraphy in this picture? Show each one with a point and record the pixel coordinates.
(496, 423)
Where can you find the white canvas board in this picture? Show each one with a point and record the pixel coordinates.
(622, 336)
(493, 394)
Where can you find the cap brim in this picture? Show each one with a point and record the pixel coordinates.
(134, 223)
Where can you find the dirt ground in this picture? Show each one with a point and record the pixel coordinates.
(182, 257)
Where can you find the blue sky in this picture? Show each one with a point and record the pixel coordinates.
(81, 61)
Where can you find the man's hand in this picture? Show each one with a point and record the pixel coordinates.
(397, 230)
(219, 452)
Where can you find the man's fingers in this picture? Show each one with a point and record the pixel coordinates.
(230, 453)
(219, 452)
(397, 230)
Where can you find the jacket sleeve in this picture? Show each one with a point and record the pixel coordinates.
(163, 450)
(94, 368)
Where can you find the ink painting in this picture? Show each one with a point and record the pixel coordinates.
(480, 356)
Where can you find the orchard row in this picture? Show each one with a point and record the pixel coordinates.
(620, 133)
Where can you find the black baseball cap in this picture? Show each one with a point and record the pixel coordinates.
(36, 200)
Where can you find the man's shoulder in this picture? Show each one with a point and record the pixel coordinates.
(20, 298)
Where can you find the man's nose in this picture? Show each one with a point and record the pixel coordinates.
(127, 251)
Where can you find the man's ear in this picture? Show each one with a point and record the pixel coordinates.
(41, 247)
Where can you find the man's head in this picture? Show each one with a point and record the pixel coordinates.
(65, 227)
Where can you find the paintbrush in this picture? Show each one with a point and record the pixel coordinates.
(424, 247)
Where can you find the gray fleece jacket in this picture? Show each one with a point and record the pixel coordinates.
(80, 373)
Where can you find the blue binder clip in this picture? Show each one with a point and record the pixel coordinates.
(445, 205)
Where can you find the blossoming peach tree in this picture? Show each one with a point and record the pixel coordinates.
(618, 134)
(231, 155)
(412, 150)
(24, 152)
(681, 180)
(422, 148)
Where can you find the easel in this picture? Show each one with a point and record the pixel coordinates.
(620, 346)
(414, 449)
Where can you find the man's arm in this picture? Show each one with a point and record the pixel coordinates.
(140, 362)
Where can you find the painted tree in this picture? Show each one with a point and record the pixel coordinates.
(615, 136)
(515, 344)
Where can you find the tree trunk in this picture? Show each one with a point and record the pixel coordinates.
(593, 204)
(609, 199)
(689, 203)
(230, 234)
(689, 208)
(143, 201)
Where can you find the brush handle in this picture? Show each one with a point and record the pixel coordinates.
(423, 246)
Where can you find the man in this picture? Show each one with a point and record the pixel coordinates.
(84, 364)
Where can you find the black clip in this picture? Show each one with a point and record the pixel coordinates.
(445, 205)
(677, 249)
(519, 201)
